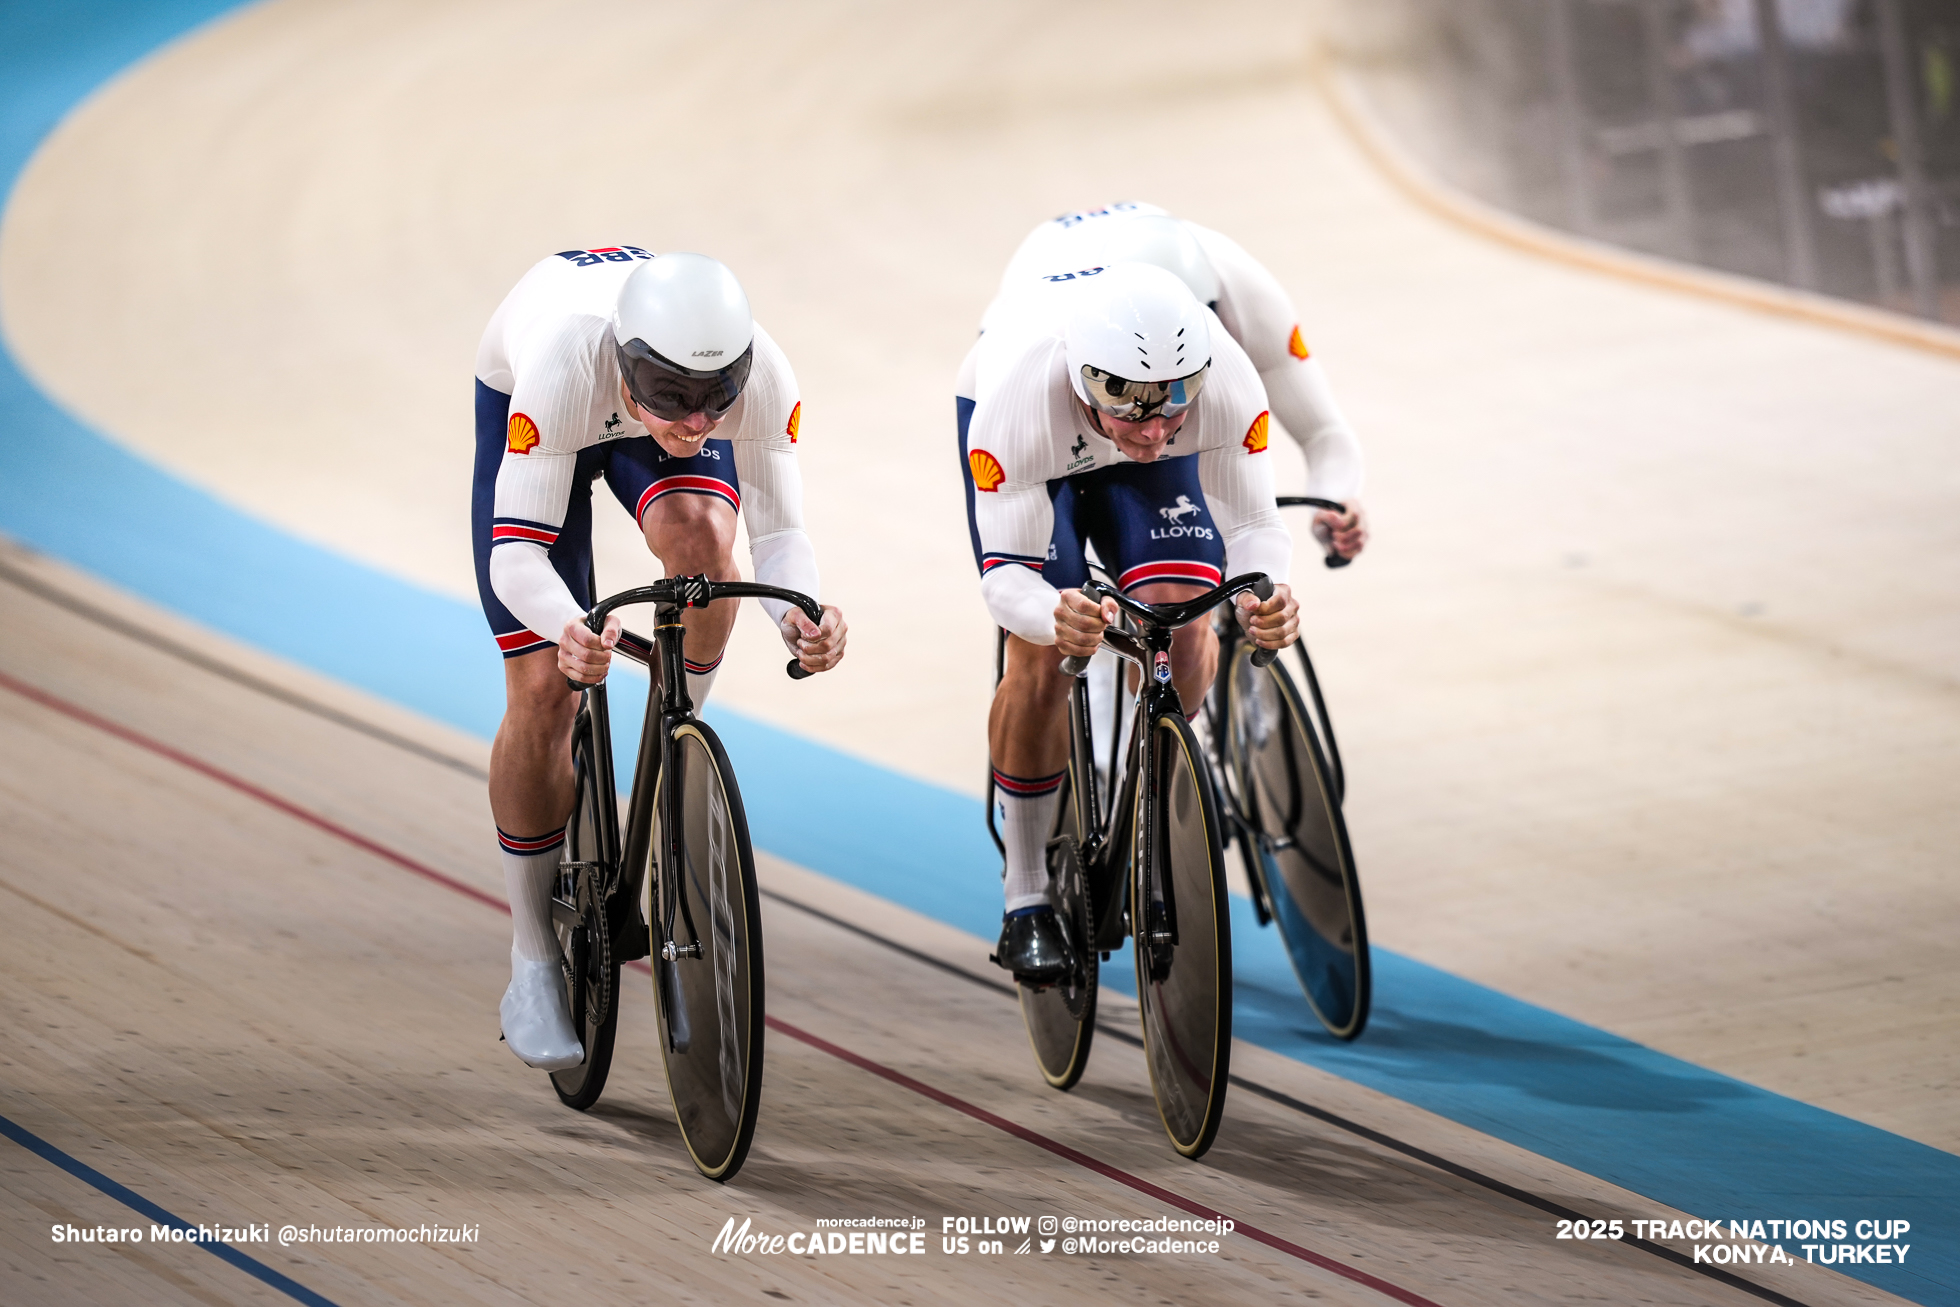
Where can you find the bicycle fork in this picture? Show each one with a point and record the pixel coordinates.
(1154, 906)
(669, 903)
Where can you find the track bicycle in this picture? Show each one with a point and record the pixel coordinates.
(1143, 858)
(676, 884)
(1281, 798)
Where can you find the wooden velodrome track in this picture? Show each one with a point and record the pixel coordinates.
(1648, 685)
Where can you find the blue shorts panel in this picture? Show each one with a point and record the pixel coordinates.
(1148, 522)
(569, 546)
(639, 471)
(963, 408)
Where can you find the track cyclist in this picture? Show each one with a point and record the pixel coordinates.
(1108, 407)
(648, 371)
(1253, 308)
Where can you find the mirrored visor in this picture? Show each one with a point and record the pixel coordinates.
(1139, 401)
(671, 392)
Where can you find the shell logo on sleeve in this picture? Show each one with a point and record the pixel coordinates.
(1255, 435)
(986, 470)
(1295, 345)
(523, 434)
(795, 421)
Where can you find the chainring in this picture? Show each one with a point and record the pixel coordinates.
(588, 962)
(1070, 894)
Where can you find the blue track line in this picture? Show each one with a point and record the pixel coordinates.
(129, 1198)
(1679, 1134)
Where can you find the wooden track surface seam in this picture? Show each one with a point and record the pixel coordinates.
(77, 713)
(1101, 1168)
(219, 668)
(243, 786)
(160, 643)
(1321, 1114)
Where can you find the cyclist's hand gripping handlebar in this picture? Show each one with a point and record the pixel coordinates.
(1335, 558)
(1263, 591)
(697, 592)
(1175, 614)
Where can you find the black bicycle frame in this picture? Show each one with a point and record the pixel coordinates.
(671, 708)
(1148, 646)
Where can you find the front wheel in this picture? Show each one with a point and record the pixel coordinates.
(1183, 933)
(710, 994)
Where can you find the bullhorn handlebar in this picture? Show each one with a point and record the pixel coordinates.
(1171, 616)
(1334, 557)
(699, 592)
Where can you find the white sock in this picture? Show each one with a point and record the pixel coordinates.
(1028, 808)
(530, 874)
(701, 679)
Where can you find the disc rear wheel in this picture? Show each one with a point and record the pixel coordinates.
(591, 975)
(1061, 1018)
(1300, 840)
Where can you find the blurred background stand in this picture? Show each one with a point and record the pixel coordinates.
(1814, 143)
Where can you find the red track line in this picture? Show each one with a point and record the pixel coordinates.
(266, 797)
(1100, 1167)
(899, 1078)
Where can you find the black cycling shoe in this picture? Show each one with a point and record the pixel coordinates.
(1032, 947)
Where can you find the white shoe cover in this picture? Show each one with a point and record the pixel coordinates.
(537, 1020)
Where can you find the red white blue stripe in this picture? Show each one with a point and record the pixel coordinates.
(1025, 787)
(1189, 571)
(522, 641)
(528, 846)
(988, 562)
(686, 485)
(511, 530)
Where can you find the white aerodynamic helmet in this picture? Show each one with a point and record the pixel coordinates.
(1164, 242)
(684, 335)
(1139, 343)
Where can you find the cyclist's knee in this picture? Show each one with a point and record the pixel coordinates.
(1034, 673)
(692, 533)
(535, 692)
(1193, 640)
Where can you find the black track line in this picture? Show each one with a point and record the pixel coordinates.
(204, 662)
(1271, 1095)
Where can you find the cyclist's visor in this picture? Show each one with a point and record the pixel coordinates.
(1139, 401)
(671, 392)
